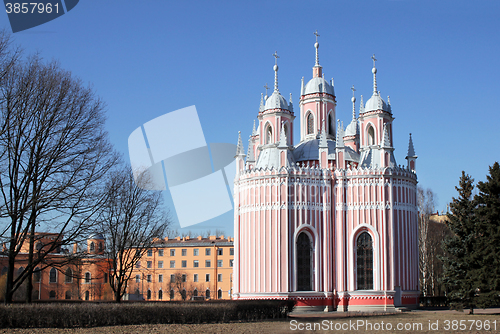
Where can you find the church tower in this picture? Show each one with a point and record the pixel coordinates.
(317, 103)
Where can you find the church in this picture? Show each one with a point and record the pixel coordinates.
(330, 222)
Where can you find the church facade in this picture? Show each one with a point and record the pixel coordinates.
(330, 222)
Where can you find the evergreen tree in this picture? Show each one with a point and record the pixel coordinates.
(488, 215)
(462, 267)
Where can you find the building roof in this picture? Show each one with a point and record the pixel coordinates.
(318, 85)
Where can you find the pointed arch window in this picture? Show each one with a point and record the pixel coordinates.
(269, 134)
(371, 135)
(310, 124)
(330, 129)
(53, 275)
(92, 246)
(160, 294)
(364, 261)
(304, 263)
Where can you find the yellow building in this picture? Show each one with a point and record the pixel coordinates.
(184, 268)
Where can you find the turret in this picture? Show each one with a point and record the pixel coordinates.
(411, 157)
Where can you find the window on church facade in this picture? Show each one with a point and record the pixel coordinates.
(330, 125)
(310, 124)
(364, 263)
(371, 135)
(304, 263)
(269, 135)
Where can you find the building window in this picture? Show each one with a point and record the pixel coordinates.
(304, 263)
(150, 279)
(207, 278)
(195, 293)
(172, 252)
(150, 252)
(196, 252)
(68, 278)
(160, 264)
(364, 263)
(195, 278)
(220, 251)
(172, 264)
(87, 277)
(310, 124)
(330, 125)
(219, 263)
(183, 294)
(150, 264)
(207, 251)
(371, 135)
(172, 278)
(92, 246)
(149, 294)
(184, 264)
(87, 295)
(101, 247)
(231, 251)
(53, 275)
(138, 264)
(52, 294)
(183, 277)
(219, 277)
(269, 134)
(67, 295)
(196, 263)
(231, 262)
(160, 278)
(37, 275)
(160, 252)
(172, 294)
(219, 294)
(184, 252)
(138, 278)
(207, 294)
(105, 278)
(207, 263)
(160, 294)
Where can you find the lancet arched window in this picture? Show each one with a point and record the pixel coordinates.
(310, 124)
(330, 125)
(364, 261)
(371, 135)
(304, 263)
(269, 134)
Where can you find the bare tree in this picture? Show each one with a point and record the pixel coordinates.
(131, 219)
(54, 154)
(425, 202)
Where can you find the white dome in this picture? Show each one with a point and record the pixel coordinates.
(352, 129)
(276, 101)
(376, 103)
(318, 85)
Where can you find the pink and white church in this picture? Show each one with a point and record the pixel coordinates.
(330, 222)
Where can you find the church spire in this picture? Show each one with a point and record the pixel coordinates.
(316, 45)
(275, 54)
(353, 99)
(374, 71)
(411, 149)
(283, 142)
(239, 148)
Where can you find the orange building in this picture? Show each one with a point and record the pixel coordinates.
(172, 269)
(62, 277)
(183, 269)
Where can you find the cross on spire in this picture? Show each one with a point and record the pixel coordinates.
(353, 90)
(316, 45)
(317, 35)
(266, 87)
(374, 60)
(275, 54)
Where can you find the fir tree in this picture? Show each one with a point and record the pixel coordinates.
(488, 217)
(462, 267)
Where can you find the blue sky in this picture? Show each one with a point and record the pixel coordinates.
(438, 61)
